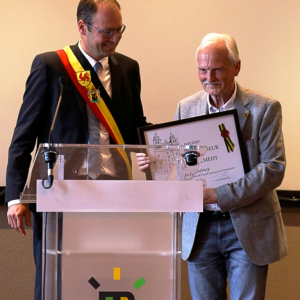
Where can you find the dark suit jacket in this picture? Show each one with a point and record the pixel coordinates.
(39, 105)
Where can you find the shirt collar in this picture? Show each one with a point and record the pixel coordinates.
(227, 106)
(104, 60)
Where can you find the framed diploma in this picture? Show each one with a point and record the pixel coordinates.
(222, 157)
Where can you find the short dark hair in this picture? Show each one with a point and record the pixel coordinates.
(88, 8)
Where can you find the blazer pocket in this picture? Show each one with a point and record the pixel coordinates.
(269, 210)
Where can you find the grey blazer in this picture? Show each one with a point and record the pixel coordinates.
(252, 200)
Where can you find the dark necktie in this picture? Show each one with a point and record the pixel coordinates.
(94, 157)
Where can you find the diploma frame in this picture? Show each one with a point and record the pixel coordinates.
(186, 128)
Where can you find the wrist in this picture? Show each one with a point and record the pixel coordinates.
(13, 202)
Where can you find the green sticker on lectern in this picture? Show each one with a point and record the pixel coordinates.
(140, 282)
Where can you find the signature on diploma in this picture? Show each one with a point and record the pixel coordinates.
(222, 174)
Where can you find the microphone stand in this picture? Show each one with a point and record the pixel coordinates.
(50, 154)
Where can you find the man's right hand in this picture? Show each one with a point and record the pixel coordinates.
(15, 216)
(143, 161)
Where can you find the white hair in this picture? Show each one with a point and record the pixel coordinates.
(229, 41)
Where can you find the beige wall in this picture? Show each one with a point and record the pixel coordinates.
(162, 35)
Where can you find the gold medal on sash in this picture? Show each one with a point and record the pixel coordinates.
(94, 96)
(84, 79)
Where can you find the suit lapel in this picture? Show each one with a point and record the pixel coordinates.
(116, 78)
(240, 104)
(202, 106)
(118, 93)
(120, 105)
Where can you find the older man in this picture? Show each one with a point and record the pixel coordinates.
(104, 77)
(240, 231)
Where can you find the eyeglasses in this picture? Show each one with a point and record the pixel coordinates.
(108, 33)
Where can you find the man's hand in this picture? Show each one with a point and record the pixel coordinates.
(209, 196)
(15, 216)
(143, 161)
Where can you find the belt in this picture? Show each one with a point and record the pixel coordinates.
(215, 215)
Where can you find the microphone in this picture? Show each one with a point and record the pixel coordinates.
(191, 154)
(50, 154)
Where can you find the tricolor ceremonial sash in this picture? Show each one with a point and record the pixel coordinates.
(82, 81)
(225, 135)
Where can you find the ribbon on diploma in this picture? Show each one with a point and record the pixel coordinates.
(225, 135)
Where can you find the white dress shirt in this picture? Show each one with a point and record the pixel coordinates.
(108, 165)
